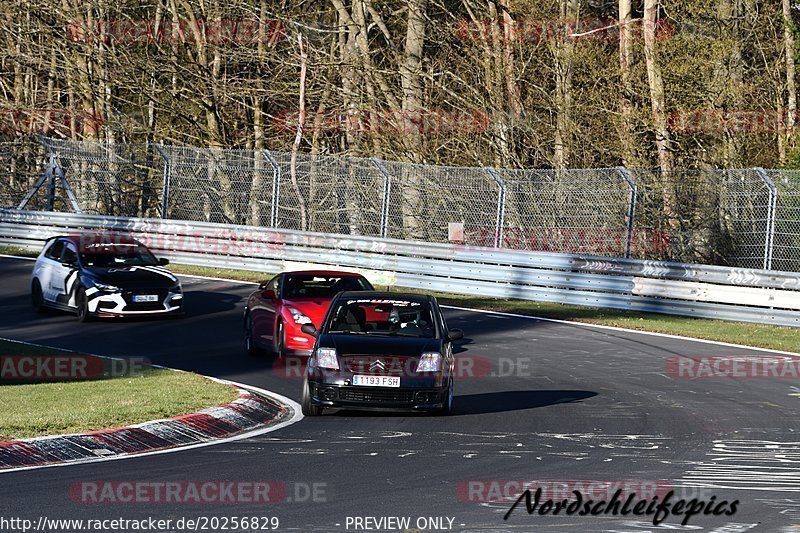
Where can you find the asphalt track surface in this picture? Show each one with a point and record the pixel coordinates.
(594, 405)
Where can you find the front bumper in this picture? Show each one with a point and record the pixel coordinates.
(345, 396)
(121, 303)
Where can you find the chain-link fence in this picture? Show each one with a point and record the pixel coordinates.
(737, 217)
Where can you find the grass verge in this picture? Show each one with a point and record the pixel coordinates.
(20, 252)
(756, 335)
(52, 408)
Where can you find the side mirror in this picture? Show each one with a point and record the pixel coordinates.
(163, 261)
(309, 329)
(455, 334)
(269, 294)
(69, 264)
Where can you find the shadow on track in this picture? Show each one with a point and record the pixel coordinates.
(485, 403)
(501, 402)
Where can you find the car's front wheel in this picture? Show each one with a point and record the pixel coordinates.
(280, 339)
(82, 301)
(249, 346)
(37, 297)
(307, 407)
(447, 408)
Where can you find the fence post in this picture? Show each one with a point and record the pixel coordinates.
(634, 190)
(276, 187)
(57, 170)
(501, 206)
(52, 170)
(167, 177)
(771, 208)
(387, 191)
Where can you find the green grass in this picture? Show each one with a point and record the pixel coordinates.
(53, 408)
(14, 250)
(756, 335)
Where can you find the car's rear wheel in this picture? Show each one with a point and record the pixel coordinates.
(308, 408)
(447, 408)
(37, 297)
(82, 302)
(249, 346)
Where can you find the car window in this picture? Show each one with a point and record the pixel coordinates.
(55, 250)
(70, 256)
(321, 286)
(395, 318)
(105, 255)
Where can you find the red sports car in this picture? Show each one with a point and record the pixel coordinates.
(276, 311)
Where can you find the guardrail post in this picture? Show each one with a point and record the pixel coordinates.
(387, 191)
(626, 175)
(165, 185)
(771, 209)
(276, 187)
(501, 206)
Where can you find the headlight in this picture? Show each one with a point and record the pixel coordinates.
(430, 362)
(298, 317)
(107, 288)
(176, 287)
(326, 358)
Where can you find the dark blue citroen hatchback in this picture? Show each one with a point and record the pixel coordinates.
(381, 350)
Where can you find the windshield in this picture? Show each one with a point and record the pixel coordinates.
(396, 318)
(314, 286)
(111, 255)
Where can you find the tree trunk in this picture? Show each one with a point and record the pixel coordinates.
(411, 82)
(658, 105)
(626, 89)
(569, 13)
(791, 86)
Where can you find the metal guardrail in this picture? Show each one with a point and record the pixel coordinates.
(747, 295)
(747, 218)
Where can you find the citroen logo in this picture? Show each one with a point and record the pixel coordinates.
(377, 365)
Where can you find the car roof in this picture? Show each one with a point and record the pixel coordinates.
(322, 273)
(383, 295)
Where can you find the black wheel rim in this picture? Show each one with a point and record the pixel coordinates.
(37, 295)
(82, 306)
(248, 331)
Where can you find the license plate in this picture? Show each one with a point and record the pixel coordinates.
(145, 298)
(376, 381)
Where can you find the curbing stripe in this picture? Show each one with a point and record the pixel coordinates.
(139, 439)
(148, 438)
(255, 412)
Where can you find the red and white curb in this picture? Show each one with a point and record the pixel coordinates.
(255, 412)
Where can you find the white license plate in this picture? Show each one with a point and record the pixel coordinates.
(145, 297)
(376, 381)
